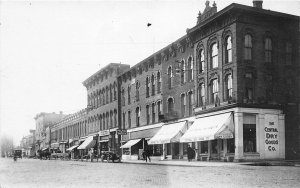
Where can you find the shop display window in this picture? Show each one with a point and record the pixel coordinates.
(249, 135)
(230, 145)
(169, 149)
(204, 147)
(126, 151)
(157, 149)
(214, 146)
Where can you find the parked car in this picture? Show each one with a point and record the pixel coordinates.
(110, 156)
(17, 153)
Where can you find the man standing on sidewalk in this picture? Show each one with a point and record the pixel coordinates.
(190, 153)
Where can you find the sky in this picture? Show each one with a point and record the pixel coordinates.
(48, 48)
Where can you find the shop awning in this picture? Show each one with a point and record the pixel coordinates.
(130, 143)
(169, 133)
(44, 149)
(209, 128)
(55, 145)
(88, 143)
(73, 147)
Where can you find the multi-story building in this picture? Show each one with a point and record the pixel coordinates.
(28, 144)
(44, 120)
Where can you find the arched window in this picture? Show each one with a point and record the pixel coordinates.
(159, 108)
(214, 55)
(147, 86)
(228, 87)
(153, 84)
(148, 114)
(170, 75)
(182, 72)
(110, 93)
(228, 54)
(129, 94)
(201, 61)
(153, 112)
(107, 120)
(103, 96)
(268, 50)
(115, 91)
(201, 95)
(107, 99)
(190, 69)
(137, 90)
(137, 114)
(214, 91)
(248, 47)
(158, 82)
(129, 119)
(190, 104)
(183, 104)
(170, 105)
(123, 96)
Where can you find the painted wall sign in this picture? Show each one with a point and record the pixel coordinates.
(272, 139)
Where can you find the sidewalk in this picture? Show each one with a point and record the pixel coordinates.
(212, 163)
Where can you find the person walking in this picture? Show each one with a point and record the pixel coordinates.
(190, 153)
(147, 155)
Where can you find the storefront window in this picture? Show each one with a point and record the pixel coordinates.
(169, 149)
(126, 151)
(230, 145)
(222, 144)
(214, 146)
(185, 146)
(204, 147)
(157, 149)
(249, 135)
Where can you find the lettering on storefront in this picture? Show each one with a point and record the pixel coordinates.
(104, 133)
(271, 135)
(121, 131)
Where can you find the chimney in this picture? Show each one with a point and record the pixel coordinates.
(257, 3)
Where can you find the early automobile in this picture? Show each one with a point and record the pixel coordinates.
(110, 156)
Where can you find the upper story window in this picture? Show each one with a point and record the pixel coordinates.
(147, 86)
(190, 69)
(190, 104)
(248, 47)
(153, 84)
(201, 61)
(103, 96)
(110, 93)
(268, 50)
(137, 91)
(214, 55)
(148, 114)
(123, 96)
(170, 105)
(228, 55)
(214, 91)
(228, 87)
(182, 72)
(288, 53)
(129, 94)
(129, 119)
(170, 75)
(153, 112)
(107, 99)
(201, 94)
(158, 82)
(138, 115)
(183, 104)
(115, 91)
(159, 108)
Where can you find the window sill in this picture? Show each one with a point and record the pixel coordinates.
(251, 154)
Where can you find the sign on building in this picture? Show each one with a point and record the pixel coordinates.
(271, 131)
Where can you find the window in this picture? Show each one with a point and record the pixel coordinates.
(170, 105)
(129, 94)
(153, 112)
(248, 47)
(103, 94)
(103, 118)
(147, 86)
(201, 94)
(214, 91)
(249, 135)
(268, 50)
(201, 59)
(158, 82)
(107, 99)
(100, 119)
(204, 147)
(137, 87)
(214, 55)
(124, 119)
(107, 120)
(228, 87)
(100, 97)
(230, 145)
(182, 72)
(115, 91)
(183, 103)
(190, 69)
(249, 94)
(170, 75)
(110, 93)
(288, 53)
(159, 108)
(228, 55)
(137, 114)
(190, 104)
(153, 84)
(123, 97)
(148, 114)
(129, 119)
(115, 118)
(214, 146)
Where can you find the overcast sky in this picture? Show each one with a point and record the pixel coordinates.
(48, 48)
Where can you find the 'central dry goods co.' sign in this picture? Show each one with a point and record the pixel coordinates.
(271, 130)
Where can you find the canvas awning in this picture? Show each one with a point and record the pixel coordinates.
(73, 147)
(169, 133)
(130, 143)
(209, 128)
(88, 143)
(103, 141)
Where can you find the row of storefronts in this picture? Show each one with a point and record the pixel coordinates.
(236, 134)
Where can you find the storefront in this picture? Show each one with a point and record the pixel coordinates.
(239, 134)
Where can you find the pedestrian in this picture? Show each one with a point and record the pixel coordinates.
(147, 155)
(144, 154)
(190, 153)
(92, 154)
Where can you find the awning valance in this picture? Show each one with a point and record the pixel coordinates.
(73, 147)
(130, 143)
(209, 128)
(88, 143)
(169, 133)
